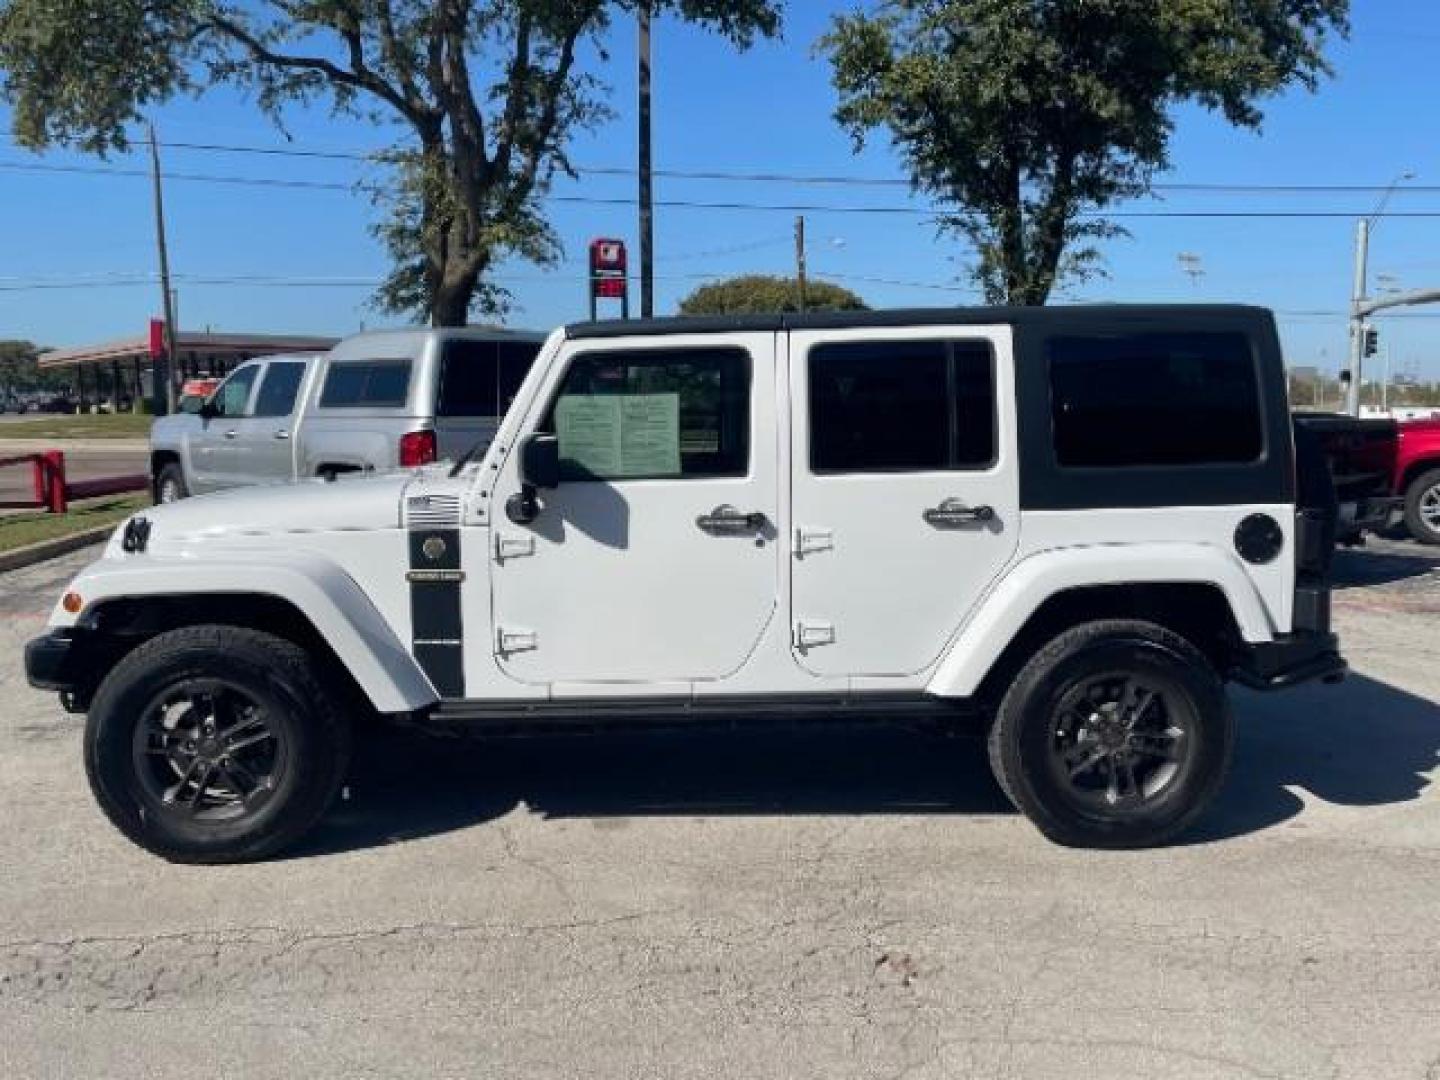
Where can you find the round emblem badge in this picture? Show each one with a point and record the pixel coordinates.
(433, 547)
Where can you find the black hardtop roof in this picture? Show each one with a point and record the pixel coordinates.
(1075, 316)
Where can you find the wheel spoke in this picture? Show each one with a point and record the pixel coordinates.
(241, 780)
(1087, 763)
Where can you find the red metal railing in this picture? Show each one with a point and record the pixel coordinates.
(53, 492)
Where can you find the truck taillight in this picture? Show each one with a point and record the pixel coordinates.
(417, 448)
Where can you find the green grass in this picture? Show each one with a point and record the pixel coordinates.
(18, 530)
(121, 426)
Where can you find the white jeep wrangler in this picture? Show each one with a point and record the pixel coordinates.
(1076, 523)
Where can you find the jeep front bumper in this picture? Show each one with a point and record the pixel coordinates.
(63, 660)
(1290, 660)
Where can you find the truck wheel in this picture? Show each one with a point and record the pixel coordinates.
(1422, 507)
(214, 744)
(170, 484)
(1116, 734)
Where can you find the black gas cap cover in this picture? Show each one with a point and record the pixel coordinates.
(1259, 538)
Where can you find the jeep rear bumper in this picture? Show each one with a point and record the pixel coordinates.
(1290, 660)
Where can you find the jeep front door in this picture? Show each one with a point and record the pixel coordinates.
(904, 495)
(655, 560)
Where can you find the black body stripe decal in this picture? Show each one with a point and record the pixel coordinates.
(437, 632)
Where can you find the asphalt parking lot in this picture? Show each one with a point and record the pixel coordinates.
(812, 904)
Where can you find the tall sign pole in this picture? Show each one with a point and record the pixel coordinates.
(164, 400)
(647, 191)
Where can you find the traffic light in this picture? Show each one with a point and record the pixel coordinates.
(1372, 341)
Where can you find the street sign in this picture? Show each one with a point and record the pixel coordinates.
(609, 275)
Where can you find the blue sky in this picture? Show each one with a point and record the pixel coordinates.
(88, 241)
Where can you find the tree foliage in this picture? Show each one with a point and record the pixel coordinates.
(488, 94)
(752, 293)
(19, 372)
(1026, 117)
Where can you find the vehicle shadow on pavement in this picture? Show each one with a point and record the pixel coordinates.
(407, 785)
(1361, 743)
(1359, 567)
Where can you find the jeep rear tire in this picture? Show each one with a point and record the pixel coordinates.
(170, 484)
(1116, 734)
(214, 744)
(1422, 507)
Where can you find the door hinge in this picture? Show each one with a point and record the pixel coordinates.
(810, 540)
(513, 547)
(513, 641)
(808, 634)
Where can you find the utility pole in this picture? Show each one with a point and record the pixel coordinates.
(1357, 321)
(164, 401)
(800, 258)
(647, 189)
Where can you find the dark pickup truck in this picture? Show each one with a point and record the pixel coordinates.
(1361, 455)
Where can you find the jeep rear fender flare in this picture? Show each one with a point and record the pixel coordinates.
(336, 607)
(1029, 583)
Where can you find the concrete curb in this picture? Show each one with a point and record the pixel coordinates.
(31, 554)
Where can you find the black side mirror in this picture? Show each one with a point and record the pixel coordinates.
(208, 409)
(539, 468)
(540, 461)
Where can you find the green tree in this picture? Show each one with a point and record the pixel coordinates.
(762, 293)
(1026, 118)
(19, 372)
(488, 94)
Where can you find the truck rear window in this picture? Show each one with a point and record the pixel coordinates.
(481, 378)
(359, 384)
(1155, 399)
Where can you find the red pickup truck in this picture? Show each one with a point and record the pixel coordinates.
(1417, 477)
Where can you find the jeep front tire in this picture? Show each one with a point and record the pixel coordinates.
(1116, 734)
(214, 744)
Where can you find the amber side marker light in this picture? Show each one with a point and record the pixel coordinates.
(72, 602)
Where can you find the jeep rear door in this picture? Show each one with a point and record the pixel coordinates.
(905, 495)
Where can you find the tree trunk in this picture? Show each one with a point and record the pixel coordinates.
(450, 305)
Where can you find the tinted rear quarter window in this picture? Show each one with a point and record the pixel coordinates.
(361, 384)
(1154, 399)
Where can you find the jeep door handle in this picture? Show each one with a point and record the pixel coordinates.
(954, 512)
(232, 433)
(725, 519)
(281, 433)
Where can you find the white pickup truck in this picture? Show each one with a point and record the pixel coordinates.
(378, 401)
(1074, 524)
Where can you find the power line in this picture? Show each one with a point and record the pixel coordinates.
(375, 157)
(727, 205)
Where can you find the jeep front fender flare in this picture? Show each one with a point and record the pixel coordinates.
(321, 591)
(1032, 581)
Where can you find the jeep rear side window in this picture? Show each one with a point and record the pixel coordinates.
(481, 378)
(361, 384)
(901, 406)
(653, 414)
(1155, 399)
